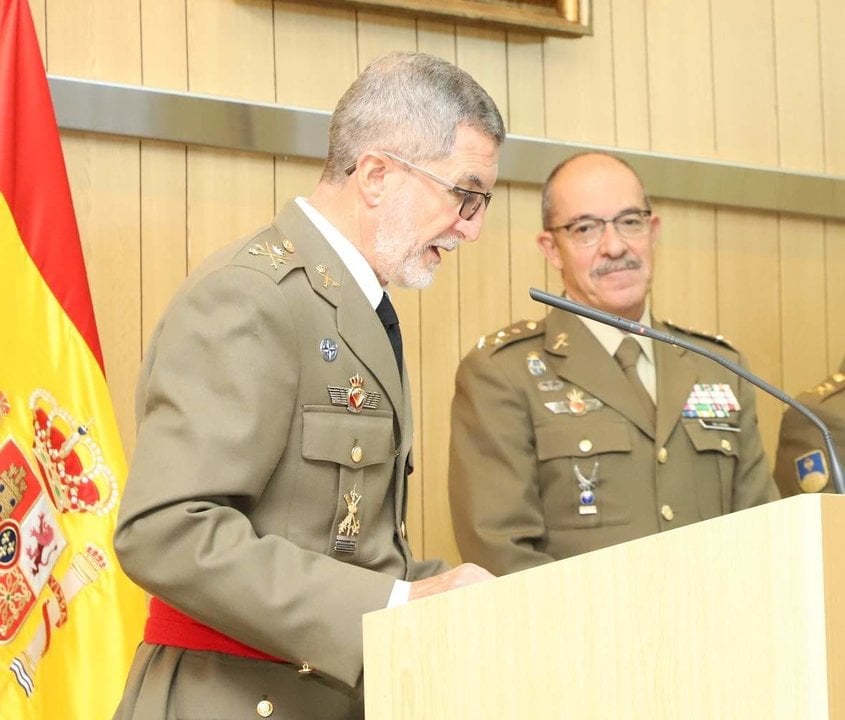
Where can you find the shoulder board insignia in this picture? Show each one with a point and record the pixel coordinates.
(721, 339)
(832, 385)
(518, 331)
(268, 252)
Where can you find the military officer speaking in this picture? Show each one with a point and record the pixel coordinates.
(568, 435)
(802, 463)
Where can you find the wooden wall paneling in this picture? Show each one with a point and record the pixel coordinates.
(440, 351)
(803, 300)
(749, 303)
(485, 290)
(163, 198)
(630, 73)
(104, 179)
(834, 236)
(799, 87)
(832, 52)
(748, 243)
(164, 232)
(579, 86)
(680, 77)
(801, 146)
(230, 53)
(99, 41)
(164, 45)
(744, 81)
(526, 116)
(102, 41)
(38, 10)
(305, 78)
(685, 284)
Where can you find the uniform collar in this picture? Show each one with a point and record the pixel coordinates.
(351, 257)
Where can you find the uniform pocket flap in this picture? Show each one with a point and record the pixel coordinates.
(711, 438)
(338, 436)
(581, 437)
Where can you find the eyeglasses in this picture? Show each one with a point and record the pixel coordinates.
(587, 231)
(471, 200)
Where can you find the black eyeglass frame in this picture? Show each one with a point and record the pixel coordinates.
(471, 200)
(643, 214)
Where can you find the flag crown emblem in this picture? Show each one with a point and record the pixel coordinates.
(75, 475)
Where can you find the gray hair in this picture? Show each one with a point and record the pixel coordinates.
(547, 204)
(410, 104)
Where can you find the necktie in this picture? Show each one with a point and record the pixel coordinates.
(626, 356)
(387, 314)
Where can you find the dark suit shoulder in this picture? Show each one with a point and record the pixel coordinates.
(269, 252)
(510, 334)
(701, 335)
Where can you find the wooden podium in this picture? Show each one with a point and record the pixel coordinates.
(737, 617)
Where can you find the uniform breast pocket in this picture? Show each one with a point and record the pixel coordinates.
(717, 451)
(356, 452)
(582, 455)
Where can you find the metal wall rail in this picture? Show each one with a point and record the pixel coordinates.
(191, 118)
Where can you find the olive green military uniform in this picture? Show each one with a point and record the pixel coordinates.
(802, 461)
(542, 414)
(249, 455)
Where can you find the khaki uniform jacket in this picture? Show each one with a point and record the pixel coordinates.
(236, 489)
(514, 461)
(802, 461)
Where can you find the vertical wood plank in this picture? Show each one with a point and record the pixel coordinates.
(164, 232)
(630, 73)
(305, 78)
(103, 175)
(680, 77)
(832, 51)
(579, 87)
(38, 10)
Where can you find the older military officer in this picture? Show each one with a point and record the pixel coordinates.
(802, 462)
(264, 509)
(568, 435)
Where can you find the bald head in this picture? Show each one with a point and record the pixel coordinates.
(583, 168)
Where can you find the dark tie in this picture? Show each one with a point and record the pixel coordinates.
(626, 356)
(387, 314)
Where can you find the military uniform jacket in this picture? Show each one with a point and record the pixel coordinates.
(802, 460)
(243, 461)
(514, 462)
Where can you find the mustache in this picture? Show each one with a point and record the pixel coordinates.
(446, 242)
(627, 262)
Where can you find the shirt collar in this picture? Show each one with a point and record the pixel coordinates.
(611, 337)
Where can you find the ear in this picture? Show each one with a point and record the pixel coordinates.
(654, 232)
(549, 247)
(370, 175)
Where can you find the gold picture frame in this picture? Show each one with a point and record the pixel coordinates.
(550, 17)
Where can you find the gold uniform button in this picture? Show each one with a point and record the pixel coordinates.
(585, 446)
(403, 531)
(662, 455)
(726, 445)
(264, 709)
(288, 245)
(357, 454)
(667, 513)
(531, 325)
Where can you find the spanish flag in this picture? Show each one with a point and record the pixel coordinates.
(69, 619)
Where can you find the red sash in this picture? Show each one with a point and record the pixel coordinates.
(167, 626)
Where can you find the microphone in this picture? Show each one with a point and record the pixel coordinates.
(630, 326)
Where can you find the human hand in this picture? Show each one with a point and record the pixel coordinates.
(461, 576)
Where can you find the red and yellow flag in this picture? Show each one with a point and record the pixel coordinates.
(69, 618)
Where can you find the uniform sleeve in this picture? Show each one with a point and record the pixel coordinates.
(753, 481)
(214, 418)
(493, 480)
